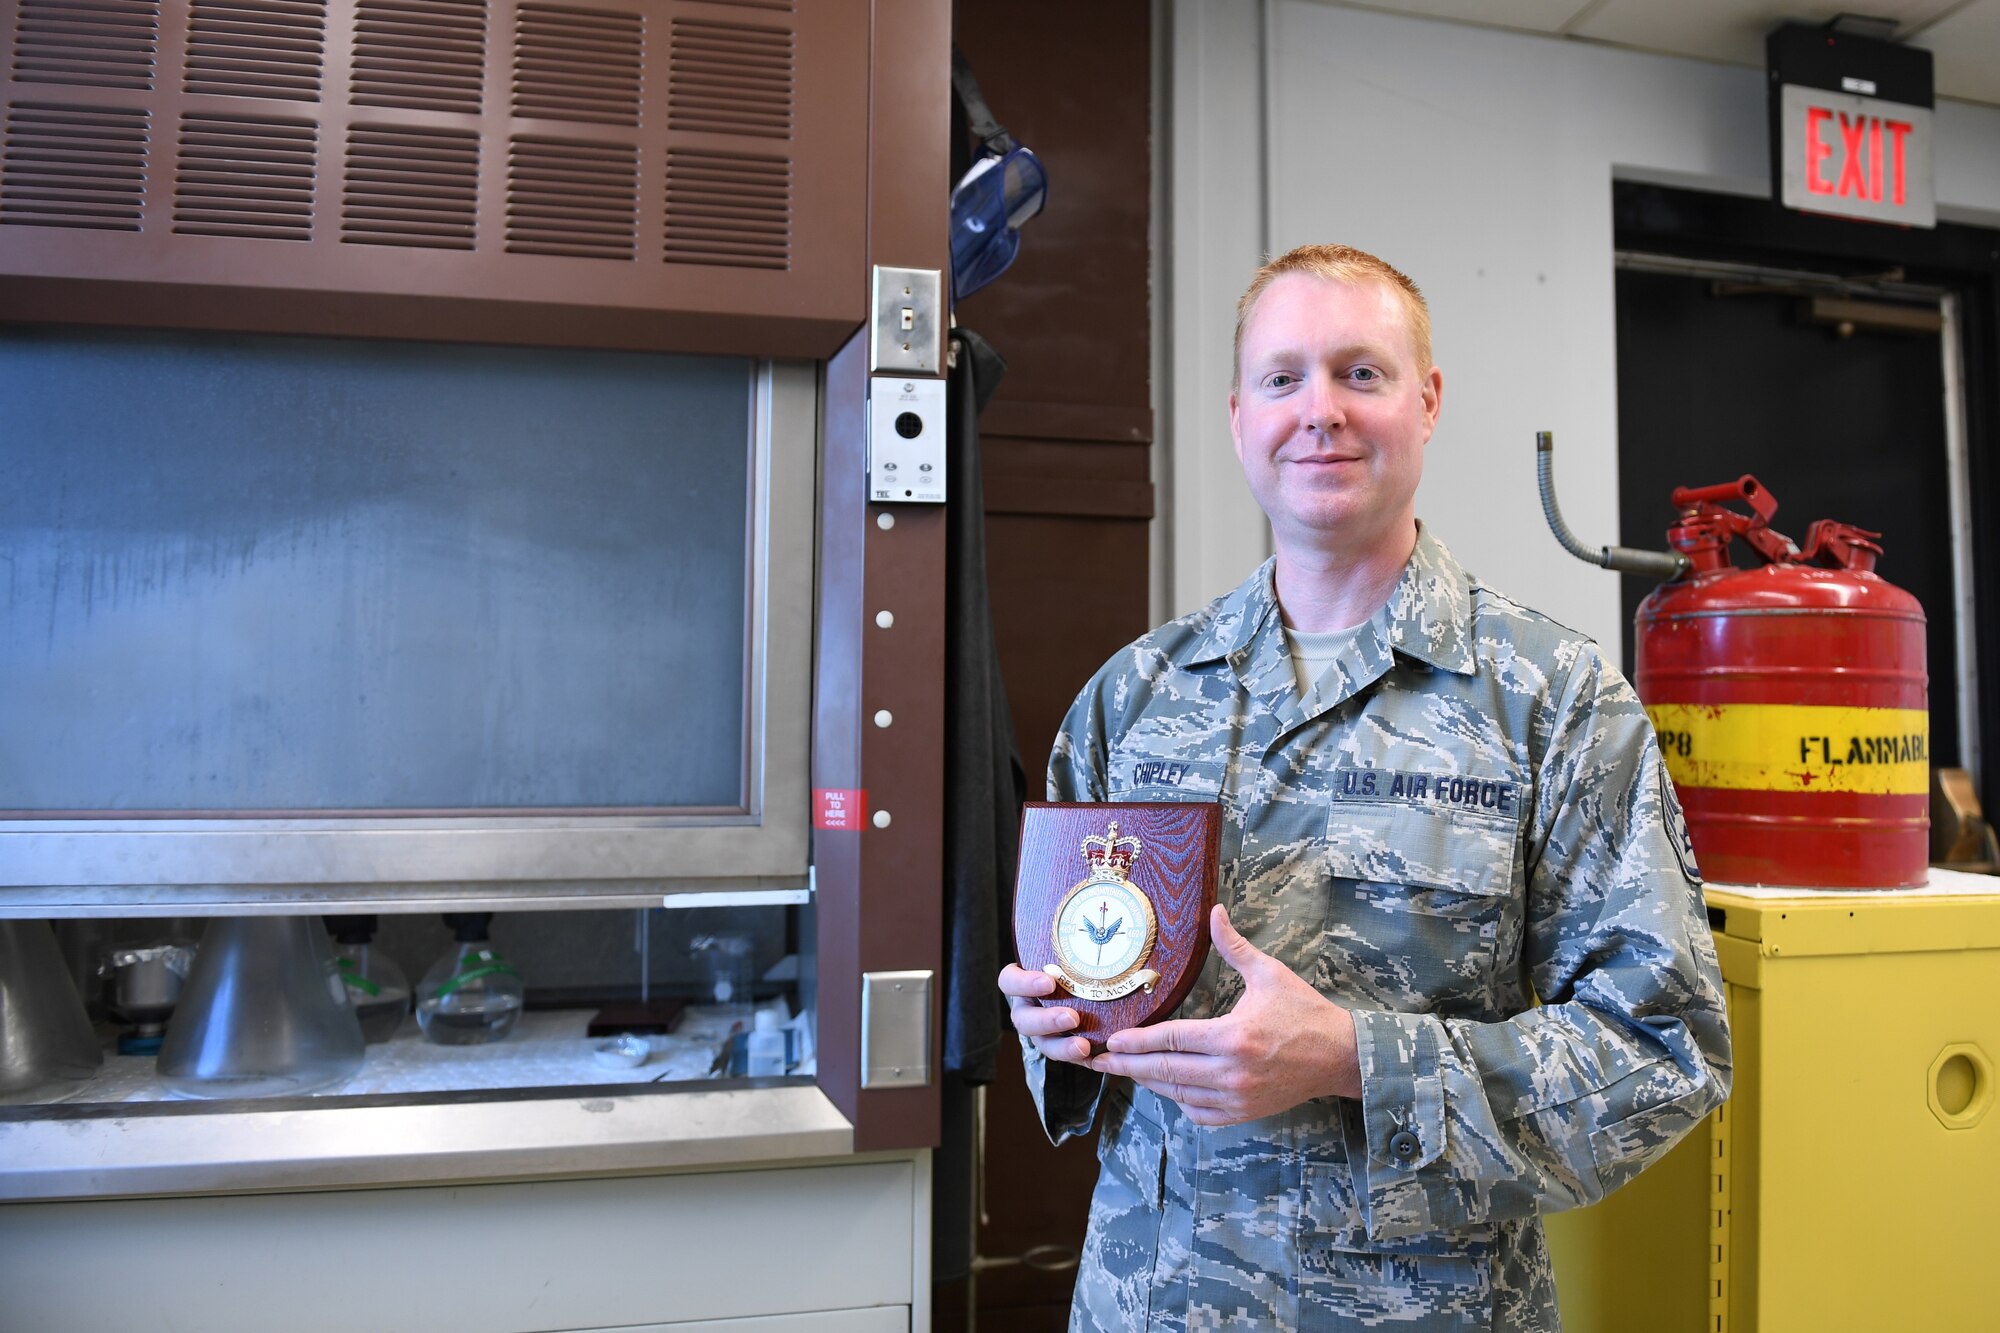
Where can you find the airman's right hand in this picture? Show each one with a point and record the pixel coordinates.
(1043, 1024)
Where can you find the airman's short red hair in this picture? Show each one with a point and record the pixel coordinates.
(1342, 264)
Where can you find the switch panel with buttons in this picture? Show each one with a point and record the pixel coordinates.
(906, 438)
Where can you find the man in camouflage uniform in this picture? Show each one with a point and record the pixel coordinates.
(1462, 973)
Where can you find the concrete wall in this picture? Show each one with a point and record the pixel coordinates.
(1481, 163)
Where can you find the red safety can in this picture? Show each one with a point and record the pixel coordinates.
(1790, 700)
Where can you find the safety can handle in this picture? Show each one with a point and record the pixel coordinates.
(1746, 488)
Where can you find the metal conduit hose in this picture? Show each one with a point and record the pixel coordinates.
(1624, 559)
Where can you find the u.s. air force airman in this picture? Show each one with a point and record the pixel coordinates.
(1462, 971)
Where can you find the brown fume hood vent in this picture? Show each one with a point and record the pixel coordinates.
(253, 48)
(245, 176)
(110, 44)
(572, 197)
(420, 55)
(671, 174)
(577, 65)
(733, 78)
(411, 187)
(74, 166)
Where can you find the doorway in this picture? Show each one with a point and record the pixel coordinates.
(1830, 392)
(1851, 369)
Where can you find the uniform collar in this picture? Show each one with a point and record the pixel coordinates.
(1428, 616)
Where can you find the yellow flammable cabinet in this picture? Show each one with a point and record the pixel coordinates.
(1852, 1181)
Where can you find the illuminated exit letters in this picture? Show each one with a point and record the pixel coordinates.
(1863, 168)
(1858, 157)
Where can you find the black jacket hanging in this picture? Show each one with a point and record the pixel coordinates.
(984, 781)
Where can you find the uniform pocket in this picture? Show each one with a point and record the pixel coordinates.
(1424, 902)
(1644, 1113)
(1115, 1276)
(1134, 1149)
(1437, 1281)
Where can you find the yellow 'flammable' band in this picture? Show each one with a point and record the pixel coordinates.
(1796, 747)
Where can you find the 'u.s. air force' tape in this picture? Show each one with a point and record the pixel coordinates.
(1465, 791)
(1796, 747)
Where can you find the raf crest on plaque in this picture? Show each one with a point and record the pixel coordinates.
(1105, 928)
(1126, 942)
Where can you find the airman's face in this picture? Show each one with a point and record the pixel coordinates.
(1331, 414)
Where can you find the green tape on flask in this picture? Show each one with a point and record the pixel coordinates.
(491, 965)
(351, 974)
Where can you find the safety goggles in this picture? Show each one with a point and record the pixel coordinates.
(987, 209)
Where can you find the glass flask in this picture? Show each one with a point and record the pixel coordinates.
(471, 994)
(726, 977)
(264, 1013)
(46, 1043)
(376, 987)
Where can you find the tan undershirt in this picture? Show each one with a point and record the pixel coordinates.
(1313, 654)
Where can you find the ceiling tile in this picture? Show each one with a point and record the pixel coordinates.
(1527, 15)
(1963, 35)
(1966, 49)
(1733, 30)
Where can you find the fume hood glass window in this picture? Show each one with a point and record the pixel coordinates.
(254, 574)
(185, 1009)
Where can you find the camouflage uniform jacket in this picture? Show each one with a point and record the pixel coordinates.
(1465, 835)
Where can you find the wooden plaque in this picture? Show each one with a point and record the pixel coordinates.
(1113, 900)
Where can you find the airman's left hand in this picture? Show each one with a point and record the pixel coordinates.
(1284, 1043)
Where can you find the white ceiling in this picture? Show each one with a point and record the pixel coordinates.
(1962, 35)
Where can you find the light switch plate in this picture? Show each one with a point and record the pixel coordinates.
(906, 438)
(906, 325)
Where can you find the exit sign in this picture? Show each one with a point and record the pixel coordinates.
(1857, 157)
(1851, 126)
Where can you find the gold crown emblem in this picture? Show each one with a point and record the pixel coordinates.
(1106, 853)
